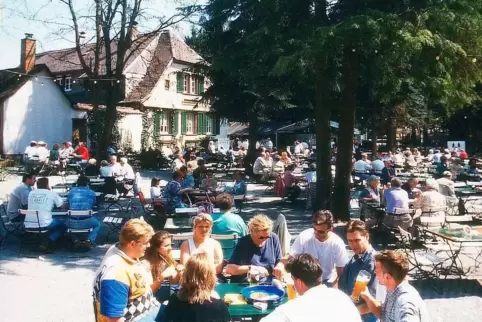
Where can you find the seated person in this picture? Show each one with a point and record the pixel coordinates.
(200, 242)
(81, 153)
(18, 198)
(125, 177)
(178, 162)
(260, 166)
(362, 167)
(192, 163)
(396, 197)
(159, 261)
(370, 194)
(470, 170)
(311, 173)
(259, 251)
(31, 150)
(388, 172)
(200, 172)
(155, 188)
(158, 220)
(292, 189)
(446, 185)
(278, 165)
(82, 198)
(173, 192)
(196, 300)
(209, 183)
(227, 223)
(106, 171)
(442, 166)
(431, 198)
(91, 170)
(285, 158)
(54, 154)
(239, 188)
(377, 166)
(42, 151)
(188, 180)
(411, 188)
(456, 168)
(43, 200)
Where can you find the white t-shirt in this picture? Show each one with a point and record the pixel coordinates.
(155, 192)
(126, 171)
(30, 151)
(259, 165)
(331, 253)
(43, 201)
(306, 308)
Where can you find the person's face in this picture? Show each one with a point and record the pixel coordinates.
(165, 247)
(374, 184)
(139, 247)
(112, 160)
(358, 242)
(122, 163)
(202, 229)
(260, 237)
(31, 182)
(321, 232)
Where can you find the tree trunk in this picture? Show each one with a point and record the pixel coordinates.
(374, 141)
(104, 135)
(425, 137)
(323, 148)
(341, 195)
(252, 139)
(391, 138)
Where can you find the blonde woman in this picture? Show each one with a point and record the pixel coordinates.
(160, 262)
(260, 250)
(196, 299)
(202, 243)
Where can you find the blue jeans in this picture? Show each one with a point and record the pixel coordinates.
(56, 229)
(87, 223)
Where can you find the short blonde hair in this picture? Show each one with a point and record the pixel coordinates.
(123, 160)
(260, 223)
(202, 217)
(93, 161)
(198, 279)
(134, 230)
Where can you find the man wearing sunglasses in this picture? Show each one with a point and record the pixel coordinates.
(322, 243)
(259, 251)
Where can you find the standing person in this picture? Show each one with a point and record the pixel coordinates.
(121, 288)
(306, 274)
(196, 300)
(363, 259)
(403, 302)
(322, 243)
(18, 198)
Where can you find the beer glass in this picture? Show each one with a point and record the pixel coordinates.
(290, 287)
(361, 282)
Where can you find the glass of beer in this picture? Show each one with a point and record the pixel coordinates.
(290, 288)
(361, 282)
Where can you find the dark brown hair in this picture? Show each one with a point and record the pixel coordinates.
(43, 183)
(323, 217)
(394, 263)
(158, 263)
(306, 268)
(224, 201)
(357, 225)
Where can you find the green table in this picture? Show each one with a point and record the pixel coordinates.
(244, 311)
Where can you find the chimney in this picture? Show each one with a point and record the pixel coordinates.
(134, 31)
(27, 53)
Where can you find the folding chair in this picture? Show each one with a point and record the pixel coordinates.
(10, 227)
(75, 214)
(228, 242)
(177, 240)
(36, 230)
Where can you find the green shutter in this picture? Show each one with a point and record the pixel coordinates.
(216, 126)
(200, 85)
(199, 123)
(157, 122)
(180, 82)
(175, 129)
(183, 122)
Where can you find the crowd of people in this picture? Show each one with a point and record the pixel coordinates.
(136, 274)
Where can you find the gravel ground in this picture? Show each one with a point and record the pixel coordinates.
(58, 287)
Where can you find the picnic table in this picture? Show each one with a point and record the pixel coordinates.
(246, 312)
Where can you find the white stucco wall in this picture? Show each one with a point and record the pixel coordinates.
(36, 112)
(171, 99)
(130, 127)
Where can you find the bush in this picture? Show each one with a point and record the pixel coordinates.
(153, 160)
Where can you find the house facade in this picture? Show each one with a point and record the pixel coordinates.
(32, 109)
(161, 96)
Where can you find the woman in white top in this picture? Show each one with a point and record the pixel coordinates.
(202, 243)
(155, 188)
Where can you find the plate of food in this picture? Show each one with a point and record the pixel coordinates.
(263, 293)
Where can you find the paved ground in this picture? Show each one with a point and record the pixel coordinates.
(57, 287)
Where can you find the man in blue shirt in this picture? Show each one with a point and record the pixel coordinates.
(396, 197)
(82, 198)
(363, 259)
(259, 251)
(227, 223)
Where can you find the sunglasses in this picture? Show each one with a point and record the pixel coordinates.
(263, 237)
(321, 232)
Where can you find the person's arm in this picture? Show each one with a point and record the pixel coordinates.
(184, 252)
(341, 258)
(218, 257)
(374, 306)
(279, 268)
(234, 266)
(24, 197)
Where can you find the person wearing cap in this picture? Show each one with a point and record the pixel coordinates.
(31, 149)
(42, 151)
(446, 184)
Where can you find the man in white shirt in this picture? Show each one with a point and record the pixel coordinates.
(116, 167)
(42, 151)
(126, 177)
(43, 200)
(362, 167)
(31, 150)
(259, 166)
(298, 148)
(306, 271)
(324, 245)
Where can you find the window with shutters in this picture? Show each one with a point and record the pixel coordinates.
(186, 83)
(68, 83)
(189, 123)
(164, 123)
(209, 124)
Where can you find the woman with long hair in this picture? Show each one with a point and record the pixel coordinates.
(202, 243)
(159, 259)
(196, 299)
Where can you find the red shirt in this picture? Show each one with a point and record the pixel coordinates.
(463, 155)
(83, 152)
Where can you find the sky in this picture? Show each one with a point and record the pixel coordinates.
(48, 21)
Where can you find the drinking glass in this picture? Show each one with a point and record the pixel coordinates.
(362, 280)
